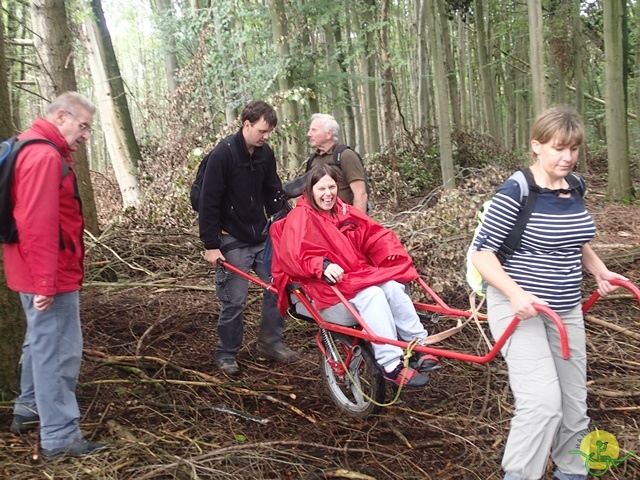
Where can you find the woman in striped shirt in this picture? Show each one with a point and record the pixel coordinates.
(550, 393)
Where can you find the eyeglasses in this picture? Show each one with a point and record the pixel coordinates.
(84, 126)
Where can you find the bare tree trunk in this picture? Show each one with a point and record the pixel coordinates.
(6, 128)
(462, 58)
(578, 77)
(387, 78)
(536, 53)
(54, 47)
(11, 321)
(117, 148)
(371, 109)
(166, 13)
(223, 26)
(444, 120)
(619, 187)
(123, 148)
(17, 29)
(450, 64)
(486, 72)
(424, 100)
(349, 126)
(335, 97)
(285, 80)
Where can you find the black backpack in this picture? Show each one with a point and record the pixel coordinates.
(337, 156)
(196, 187)
(9, 150)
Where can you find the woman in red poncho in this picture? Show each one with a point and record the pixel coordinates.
(325, 238)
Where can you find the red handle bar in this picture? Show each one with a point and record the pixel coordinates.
(369, 335)
(251, 278)
(621, 283)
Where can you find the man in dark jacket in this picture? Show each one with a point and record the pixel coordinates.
(236, 191)
(47, 267)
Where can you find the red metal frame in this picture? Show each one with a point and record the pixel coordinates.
(439, 306)
(621, 283)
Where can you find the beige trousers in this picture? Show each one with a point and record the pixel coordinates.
(550, 393)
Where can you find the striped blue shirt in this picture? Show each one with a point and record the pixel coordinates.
(548, 263)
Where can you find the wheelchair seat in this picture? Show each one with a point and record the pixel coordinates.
(338, 313)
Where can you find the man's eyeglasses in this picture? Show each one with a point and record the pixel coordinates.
(84, 126)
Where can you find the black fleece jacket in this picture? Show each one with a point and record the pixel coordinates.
(234, 197)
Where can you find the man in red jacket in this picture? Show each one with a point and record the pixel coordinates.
(46, 267)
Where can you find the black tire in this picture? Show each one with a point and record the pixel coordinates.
(353, 393)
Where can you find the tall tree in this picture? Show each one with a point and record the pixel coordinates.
(536, 49)
(462, 58)
(11, 323)
(371, 104)
(122, 146)
(165, 13)
(424, 98)
(53, 42)
(450, 67)
(578, 77)
(444, 119)
(285, 79)
(619, 186)
(387, 77)
(349, 125)
(486, 71)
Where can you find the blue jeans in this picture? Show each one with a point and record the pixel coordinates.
(232, 291)
(51, 356)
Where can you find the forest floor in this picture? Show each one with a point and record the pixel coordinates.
(150, 389)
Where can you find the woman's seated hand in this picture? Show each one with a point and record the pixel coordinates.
(334, 272)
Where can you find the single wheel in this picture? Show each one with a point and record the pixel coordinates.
(358, 388)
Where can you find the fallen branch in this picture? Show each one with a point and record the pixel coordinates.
(148, 285)
(611, 326)
(98, 356)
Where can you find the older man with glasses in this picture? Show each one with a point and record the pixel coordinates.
(46, 266)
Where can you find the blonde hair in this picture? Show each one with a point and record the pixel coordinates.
(561, 123)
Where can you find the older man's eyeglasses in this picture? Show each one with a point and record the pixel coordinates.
(84, 126)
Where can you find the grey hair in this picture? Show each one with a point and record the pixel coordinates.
(329, 124)
(68, 100)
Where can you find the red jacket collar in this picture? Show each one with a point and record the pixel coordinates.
(48, 130)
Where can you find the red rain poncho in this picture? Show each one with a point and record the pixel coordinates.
(349, 238)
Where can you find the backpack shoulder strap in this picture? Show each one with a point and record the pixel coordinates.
(21, 143)
(577, 183)
(310, 161)
(528, 196)
(230, 141)
(337, 154)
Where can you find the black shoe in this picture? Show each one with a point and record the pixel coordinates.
(23, 424)
(77, 448)
(229, 366)
(279, 353)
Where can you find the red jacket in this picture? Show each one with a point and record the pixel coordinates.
(351, 239)
(49, 256)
